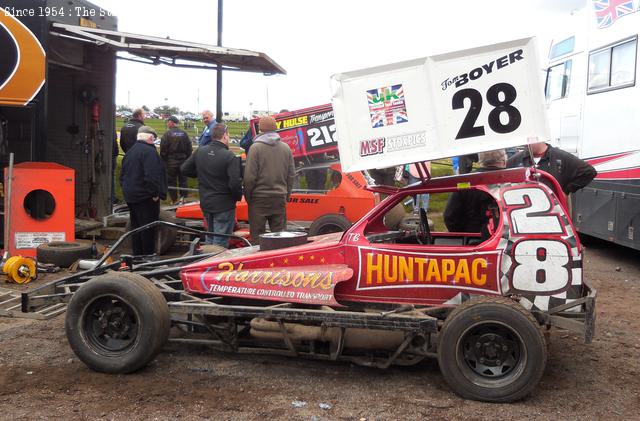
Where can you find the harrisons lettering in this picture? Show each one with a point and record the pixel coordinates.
(478, 72)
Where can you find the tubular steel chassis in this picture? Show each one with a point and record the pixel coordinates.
(215, 321)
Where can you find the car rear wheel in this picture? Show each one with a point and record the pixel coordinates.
(492, 349)
(117, 323)
(326, 224)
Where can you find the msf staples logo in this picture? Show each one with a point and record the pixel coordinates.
(372, 146)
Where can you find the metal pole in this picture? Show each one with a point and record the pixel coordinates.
(219, 75)
(7, 227)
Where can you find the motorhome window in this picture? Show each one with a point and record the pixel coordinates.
(623, 60)
(558, 78)
(562, 48)
(599, 70)
(612, 67)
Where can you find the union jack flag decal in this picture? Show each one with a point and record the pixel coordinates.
(607, 11)
(387, 106)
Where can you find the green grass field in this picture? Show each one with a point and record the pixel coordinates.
(236, 129)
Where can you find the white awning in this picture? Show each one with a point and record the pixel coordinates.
(155, 50)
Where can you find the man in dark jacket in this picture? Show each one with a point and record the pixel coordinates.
(175, 148)
(129, 132)
(470, 210)
(144, 184)
(268, 180)
(571, 172)
(219, 183)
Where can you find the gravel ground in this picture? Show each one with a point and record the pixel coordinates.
(40, 378)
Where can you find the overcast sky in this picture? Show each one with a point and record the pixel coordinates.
(312, 40)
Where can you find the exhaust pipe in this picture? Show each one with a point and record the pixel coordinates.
(353, 337)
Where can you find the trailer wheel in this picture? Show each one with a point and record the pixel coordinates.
(117, 323)
(329, 223)
(63, 253)
(166, 236)
(492, 349)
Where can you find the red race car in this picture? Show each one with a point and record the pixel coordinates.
(382, 292)
(376, 295)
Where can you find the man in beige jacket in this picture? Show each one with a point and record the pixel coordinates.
(268, 180)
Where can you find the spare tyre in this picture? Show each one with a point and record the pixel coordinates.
(329, 223)
(165, 238)
(63, 253)
(282, 239)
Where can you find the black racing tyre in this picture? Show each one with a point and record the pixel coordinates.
(63, 253)
(329, 223)
(166, 236)
(492, 349)
(117, 323)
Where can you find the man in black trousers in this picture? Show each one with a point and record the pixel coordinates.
(144, 184)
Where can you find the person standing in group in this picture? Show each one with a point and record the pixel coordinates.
(210, 123)
(175, 148)
(219, 184)
(571, 172)
(129, 132)
(268, 180)
(144, 184)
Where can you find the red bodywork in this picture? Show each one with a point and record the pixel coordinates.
(532, 251)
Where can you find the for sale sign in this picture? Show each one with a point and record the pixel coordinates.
(447, 105)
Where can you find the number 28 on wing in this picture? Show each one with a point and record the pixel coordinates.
(491, 95)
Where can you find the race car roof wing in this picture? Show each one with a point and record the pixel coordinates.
(436, 107)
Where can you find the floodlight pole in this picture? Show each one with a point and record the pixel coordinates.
(219, 72)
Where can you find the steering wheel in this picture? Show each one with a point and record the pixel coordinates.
(424, 233)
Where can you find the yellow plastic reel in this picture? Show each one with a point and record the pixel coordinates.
(20, 269)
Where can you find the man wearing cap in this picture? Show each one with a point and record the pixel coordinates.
(268, 180)
(219, 184)
(129, 132)
(175, 148)
(210, 123)
(144, 184)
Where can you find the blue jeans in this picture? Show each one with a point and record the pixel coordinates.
(220, 222)
(420, 200)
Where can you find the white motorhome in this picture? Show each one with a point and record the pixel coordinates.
(592, 94)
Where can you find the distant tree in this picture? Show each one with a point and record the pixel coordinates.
(166, 110)
(144, 107)
(121, 108)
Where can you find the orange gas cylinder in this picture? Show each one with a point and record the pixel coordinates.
(42, 206)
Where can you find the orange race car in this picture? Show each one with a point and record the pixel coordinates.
(321, 211)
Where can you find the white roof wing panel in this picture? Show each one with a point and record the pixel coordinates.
(441, 106)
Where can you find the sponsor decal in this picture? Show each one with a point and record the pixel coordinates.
(392, 143)
(290, 123)
(321, 117)
(383, 269)
(304, 284)
(485, 69)
(387, 106)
